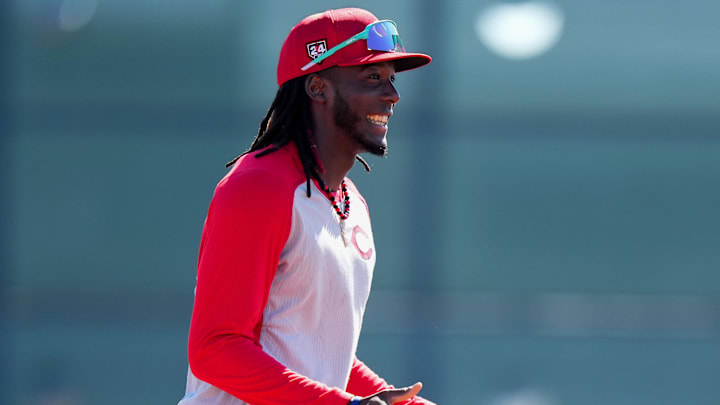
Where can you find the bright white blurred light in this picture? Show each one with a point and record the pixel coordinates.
(520, 30)
(75, 14)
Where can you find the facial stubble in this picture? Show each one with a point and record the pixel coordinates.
(348, 120)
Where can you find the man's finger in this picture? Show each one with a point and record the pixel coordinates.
(403, 394)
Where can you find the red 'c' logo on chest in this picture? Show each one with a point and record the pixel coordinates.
(362, 242)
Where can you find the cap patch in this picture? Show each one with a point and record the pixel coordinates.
(317, 48)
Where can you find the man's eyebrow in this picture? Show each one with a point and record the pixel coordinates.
(368, 67)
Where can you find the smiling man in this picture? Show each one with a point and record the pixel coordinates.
(285, 265)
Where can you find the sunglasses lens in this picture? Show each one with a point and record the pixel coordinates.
(383, 36)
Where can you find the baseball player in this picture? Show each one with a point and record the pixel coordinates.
(287, 254)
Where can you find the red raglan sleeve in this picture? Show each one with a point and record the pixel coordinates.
(248, 223)
(364, 382)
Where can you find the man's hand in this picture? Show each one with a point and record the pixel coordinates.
(391, 396)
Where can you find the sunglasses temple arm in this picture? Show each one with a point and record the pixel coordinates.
(331, 51)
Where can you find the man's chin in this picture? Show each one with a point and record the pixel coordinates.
(373, 145)
(382, 152)
(377, 150)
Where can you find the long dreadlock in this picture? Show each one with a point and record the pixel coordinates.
(289, 119)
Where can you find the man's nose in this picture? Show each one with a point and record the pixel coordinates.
(391, 96)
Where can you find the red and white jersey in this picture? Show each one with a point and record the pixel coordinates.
(280, 294)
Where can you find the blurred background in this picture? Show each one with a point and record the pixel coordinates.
(546, 222)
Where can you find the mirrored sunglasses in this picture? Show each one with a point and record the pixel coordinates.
(380, 36)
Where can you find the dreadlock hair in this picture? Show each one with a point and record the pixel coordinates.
(289, 119)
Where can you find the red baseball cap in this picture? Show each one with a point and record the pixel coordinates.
(325, 30)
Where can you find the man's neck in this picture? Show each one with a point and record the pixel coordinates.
(337, 164)
(336, 154)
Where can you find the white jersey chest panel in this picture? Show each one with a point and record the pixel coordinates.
(317, 299)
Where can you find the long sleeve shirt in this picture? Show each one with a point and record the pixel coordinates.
(281, 291)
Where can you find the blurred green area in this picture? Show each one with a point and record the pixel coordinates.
(547, 230)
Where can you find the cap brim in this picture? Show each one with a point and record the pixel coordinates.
(403, 61)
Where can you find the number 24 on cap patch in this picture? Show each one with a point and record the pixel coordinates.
(317, 48)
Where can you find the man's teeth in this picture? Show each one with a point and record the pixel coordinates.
(378, 119)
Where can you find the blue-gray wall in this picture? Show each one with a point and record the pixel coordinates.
(547, 230)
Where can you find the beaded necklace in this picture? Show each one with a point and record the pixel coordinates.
(341, 213)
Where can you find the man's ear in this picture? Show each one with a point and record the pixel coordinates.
(316, 87)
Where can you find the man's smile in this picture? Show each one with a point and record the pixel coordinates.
(378, 119)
